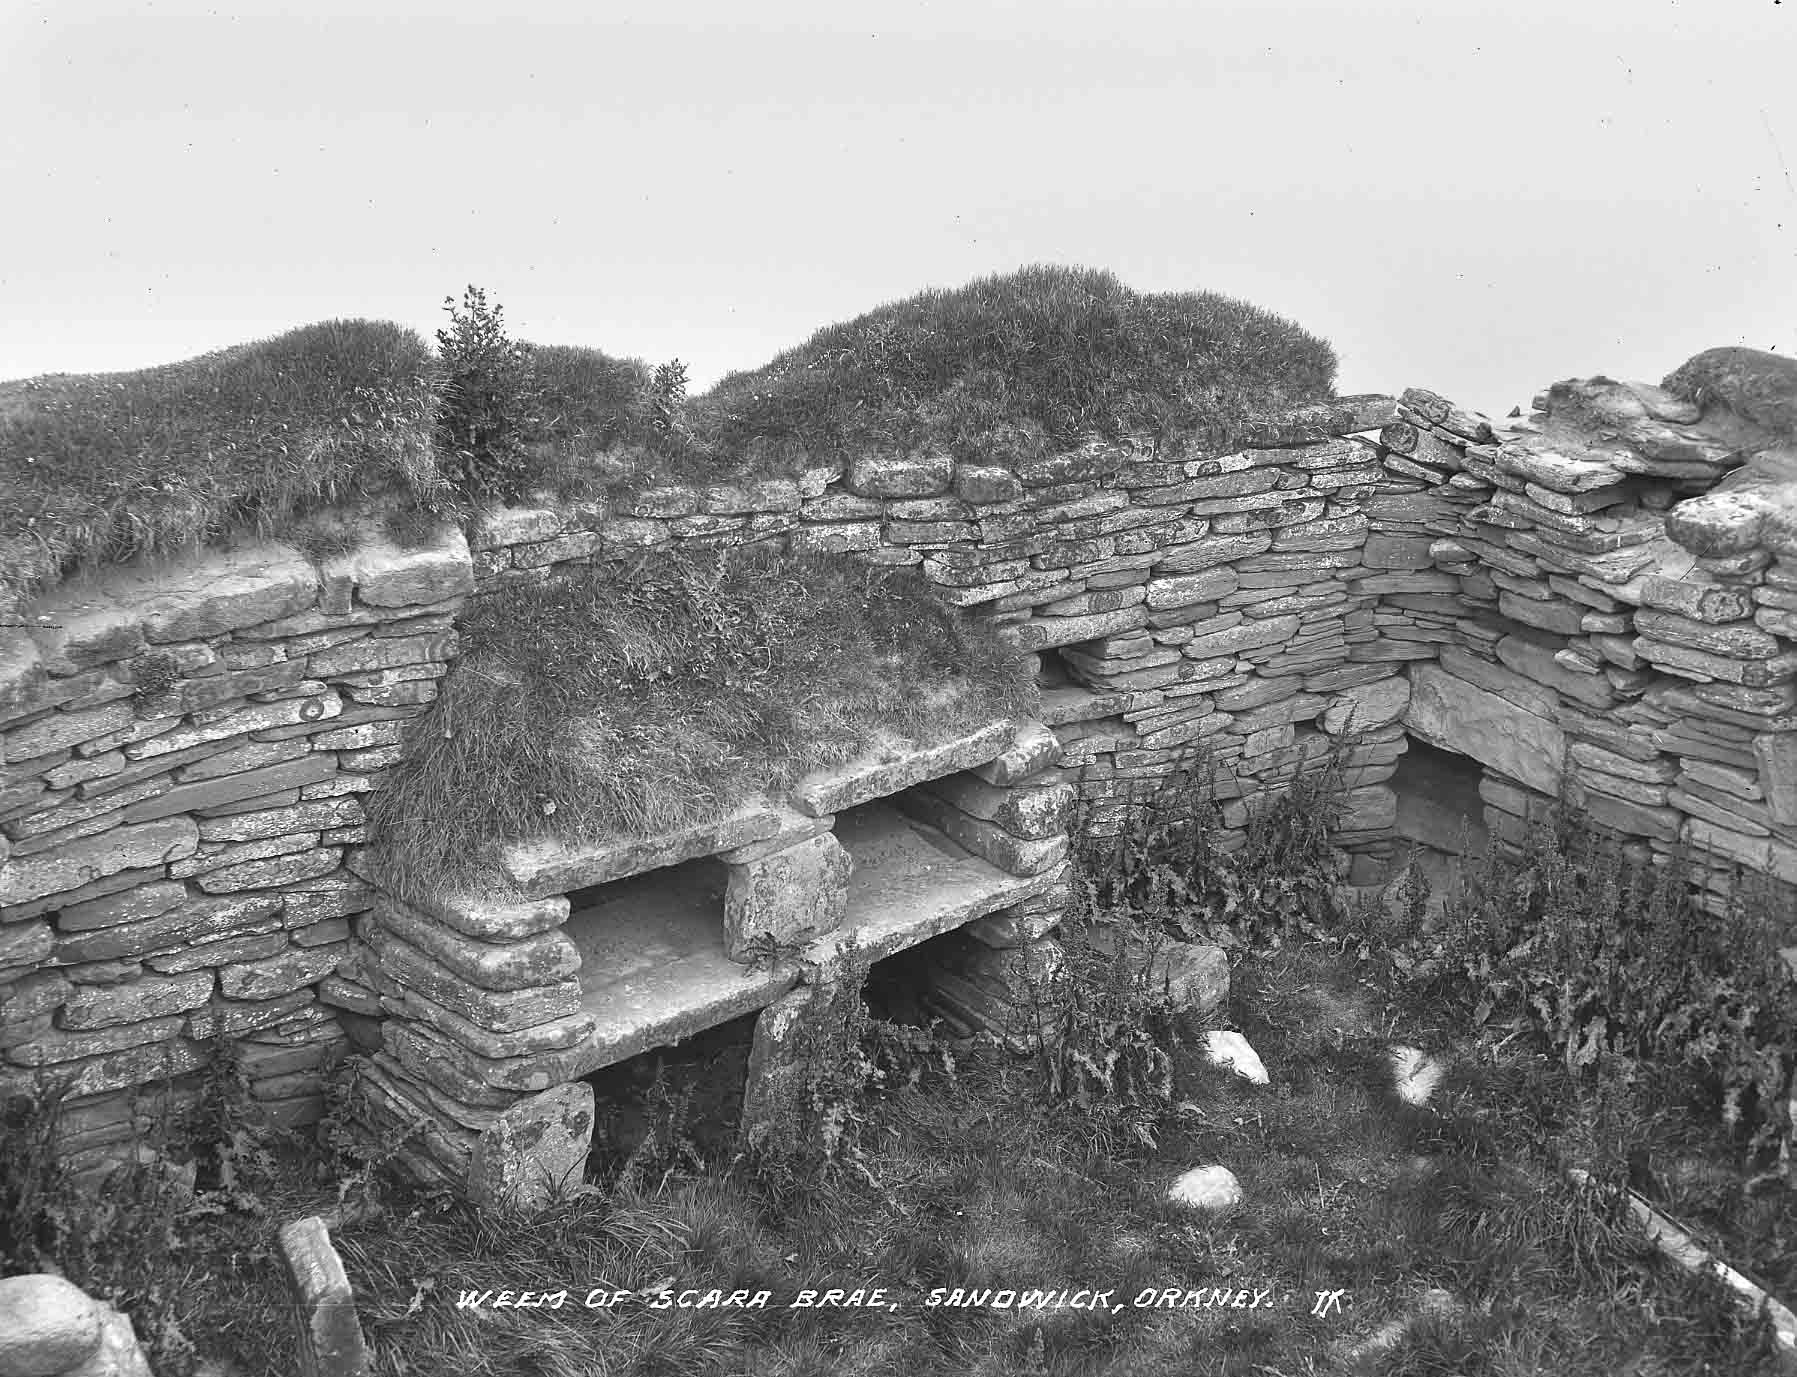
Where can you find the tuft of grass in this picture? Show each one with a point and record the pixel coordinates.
(625, 701)
(104, 467)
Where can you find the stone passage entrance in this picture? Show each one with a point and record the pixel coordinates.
(497, 1012)
(1440, 812)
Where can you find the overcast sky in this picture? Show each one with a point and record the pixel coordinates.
(1476, 197)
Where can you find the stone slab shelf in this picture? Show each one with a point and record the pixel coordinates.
(653, 968)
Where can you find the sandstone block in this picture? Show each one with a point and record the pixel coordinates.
(1539, 464)
(1032, 749)
(1397, 552)
(1023, 924)
(270, 874)
(1776, 755)
(1181, 590)
(68, 868)
(917, 474)
(1739, 640)
(544, 958)
(216, 591)
(211, 793)
(525, 1045)
(1558, 617)
(1367, 706)
(24, 945)
(1448, 712)
(1042, 632)
(381, 652)
(502, 1011)
(135, 1001)
(890, 766)
(790, 895)
(315, 707)
(986, 840)
(986, 484)
(387, 576)
(1030, 813)
(1623, 815)
(488, 919)
(776, 1073)
(1701, 664)
(795, 827)
(1720, 523)
(274, 822)
(547, 866)
(62, 1045)
(330, 1335)
(59, 730)
(533, 1152)
(1214, 550)
(1537, 663)
(1248, 635)
(1701, 601)
(284, 974)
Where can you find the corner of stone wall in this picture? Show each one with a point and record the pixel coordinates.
(186, 744)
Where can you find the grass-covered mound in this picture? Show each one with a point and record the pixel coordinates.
(1013, 366)
(1003, 370)
(627, 701)
(102, 467)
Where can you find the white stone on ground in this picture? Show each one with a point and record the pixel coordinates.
(1207, 1188)
(1232, 1050)
(1415, 1074)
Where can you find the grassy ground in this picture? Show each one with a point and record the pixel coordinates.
(628, 700)
(979, 1183)
(352, 413)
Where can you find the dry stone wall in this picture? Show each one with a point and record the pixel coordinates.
(1603, 594)
(185, 751)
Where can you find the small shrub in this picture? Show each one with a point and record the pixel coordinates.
(490, 401)
(666, 398)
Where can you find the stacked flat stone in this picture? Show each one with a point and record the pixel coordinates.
(481, 999)
(480, 1006)
(1638, 650)
(185, 749)
(1603, 594)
